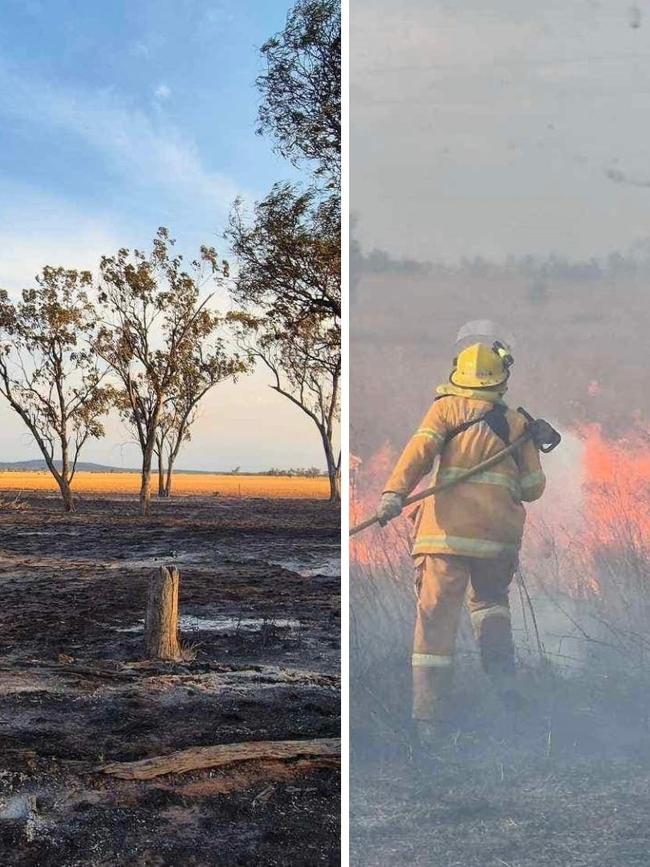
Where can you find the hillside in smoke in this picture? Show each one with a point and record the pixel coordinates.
(581, 331)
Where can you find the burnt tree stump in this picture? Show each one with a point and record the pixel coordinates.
(161, 620)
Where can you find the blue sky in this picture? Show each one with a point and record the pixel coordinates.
(119, 117)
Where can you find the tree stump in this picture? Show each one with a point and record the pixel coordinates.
(161, 620)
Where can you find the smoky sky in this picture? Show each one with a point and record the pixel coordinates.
(522, 128)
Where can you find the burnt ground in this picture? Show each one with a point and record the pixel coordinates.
(563, 783)
(260, 626)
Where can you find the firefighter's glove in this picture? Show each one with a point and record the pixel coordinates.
(390, 506)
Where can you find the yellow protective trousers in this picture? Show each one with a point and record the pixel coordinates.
(442, 581)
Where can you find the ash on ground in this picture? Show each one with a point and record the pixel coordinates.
(261, 643)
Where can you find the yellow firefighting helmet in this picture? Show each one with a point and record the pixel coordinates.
(482, 366)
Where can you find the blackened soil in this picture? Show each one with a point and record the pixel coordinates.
(261, 635)
(564, 781)
(575, 814)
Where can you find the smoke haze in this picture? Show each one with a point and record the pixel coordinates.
(518, 128)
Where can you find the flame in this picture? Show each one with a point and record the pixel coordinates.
(376, 546)
(617, 487)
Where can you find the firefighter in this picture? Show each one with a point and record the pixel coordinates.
(469, 535)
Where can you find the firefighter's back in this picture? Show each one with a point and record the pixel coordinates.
(483, 516)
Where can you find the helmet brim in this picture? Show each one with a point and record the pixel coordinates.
(483, 384)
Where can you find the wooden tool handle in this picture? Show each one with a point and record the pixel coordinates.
(428, 492)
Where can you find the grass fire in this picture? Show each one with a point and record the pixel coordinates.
(561, 778)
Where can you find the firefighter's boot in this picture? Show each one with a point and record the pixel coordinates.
(431, 704)
(493, 631)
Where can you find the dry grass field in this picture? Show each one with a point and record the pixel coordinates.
(273, 487)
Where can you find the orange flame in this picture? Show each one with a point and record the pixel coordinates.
(376, 546)
(617, 487)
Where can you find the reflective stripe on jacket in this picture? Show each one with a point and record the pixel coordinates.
(483, 516)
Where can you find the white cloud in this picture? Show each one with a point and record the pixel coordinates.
(146, 150)
(36, 229)
(162, 92)
(140, 49)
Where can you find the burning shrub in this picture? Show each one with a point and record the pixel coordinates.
(381, 603)
(601, 560)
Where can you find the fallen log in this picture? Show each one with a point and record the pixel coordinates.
(245, 775)
(198, 758)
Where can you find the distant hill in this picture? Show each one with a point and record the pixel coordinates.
(39, 464)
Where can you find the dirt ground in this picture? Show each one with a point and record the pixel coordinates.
(260, 623)
(563, 783)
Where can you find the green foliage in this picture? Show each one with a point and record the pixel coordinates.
(162, 341)
(289, 254)
(300, 472)
(288, 284)
(301, 87)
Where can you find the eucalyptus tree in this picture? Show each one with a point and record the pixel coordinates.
(156, 316)
(49, 372)
(305, 365)
(203, 368)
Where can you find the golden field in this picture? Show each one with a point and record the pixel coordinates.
(184, 484)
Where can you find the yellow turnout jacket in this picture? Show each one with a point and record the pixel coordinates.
(484, 516)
